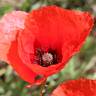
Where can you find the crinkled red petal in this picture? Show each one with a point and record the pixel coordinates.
(80, 87)
(23, 71)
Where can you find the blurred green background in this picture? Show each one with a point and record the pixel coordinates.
(82, 64)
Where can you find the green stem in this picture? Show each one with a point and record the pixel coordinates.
(43, 87)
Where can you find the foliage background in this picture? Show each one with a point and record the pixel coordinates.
(82, 64)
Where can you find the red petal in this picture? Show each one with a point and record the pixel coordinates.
(81, 87)
(8, 26)
(55, 28)
(23, 71)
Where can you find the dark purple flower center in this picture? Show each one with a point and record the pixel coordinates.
(46, 59)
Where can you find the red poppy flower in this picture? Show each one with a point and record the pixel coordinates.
(38, 44)
(80, 87)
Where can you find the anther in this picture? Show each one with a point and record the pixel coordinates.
(47, 59)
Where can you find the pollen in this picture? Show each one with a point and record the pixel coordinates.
(47, 58)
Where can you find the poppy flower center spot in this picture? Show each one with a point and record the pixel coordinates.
(46, 59)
